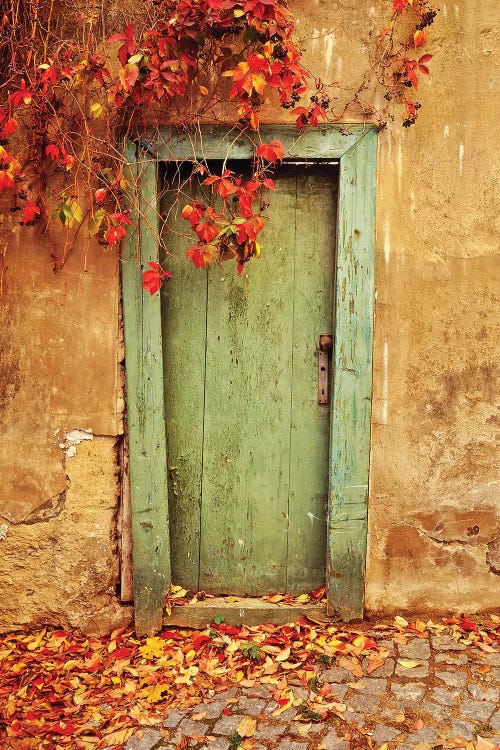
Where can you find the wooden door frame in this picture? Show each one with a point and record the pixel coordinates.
(355, 147)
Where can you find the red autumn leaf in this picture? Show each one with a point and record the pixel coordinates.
(22, 96)
(53, 151)
(398, 6)
(128, 48)
(206, 232)
(153, 279)
(197, 255)
(422, 67)
(115, 234)
(30, 212)
(272, 151)
(100, 195)
(268, 183)
(199, 641)
(121, 218)
(9, 127)
(467, 625)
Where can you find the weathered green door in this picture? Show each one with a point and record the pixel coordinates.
(248, 452)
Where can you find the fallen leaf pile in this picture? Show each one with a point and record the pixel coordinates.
(59, 689)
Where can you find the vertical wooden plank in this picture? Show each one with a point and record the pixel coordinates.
(184, 316)
(350, 437)
(247, 413)
(145, 406)
(125, 527)
(316, 211)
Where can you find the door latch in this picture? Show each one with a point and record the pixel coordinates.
(324, 356)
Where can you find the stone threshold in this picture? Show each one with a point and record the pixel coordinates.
(246, 611)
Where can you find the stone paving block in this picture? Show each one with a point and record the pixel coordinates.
(173, 717)
(482, 692)
(149, 738)
(444, 696)
(426, 734)
(477, 710)
(189, 728)
(389, 645)
(294, 745)
(462, 729)
(211, 710)
(386, 670)
(495, 720)
(383, 733)
(421, 671)
(252, 706)
(270, 732)
(418, 648)
(227, 724)
(354, 718)
(453, 679)
(339, 690)
(446, 643)
(258, 691)
(226, 694)
(437, 712)
(492, 659)
(452, 658)
(220, 743)
(408, 691)
(332, 741)
(364, 703)
(374, 685)
(336, 674)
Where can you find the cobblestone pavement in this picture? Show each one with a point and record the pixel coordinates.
(430, 692)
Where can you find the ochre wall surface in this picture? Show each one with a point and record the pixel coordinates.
(434, 511)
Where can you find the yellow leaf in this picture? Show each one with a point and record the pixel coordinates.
(304, 728)
(283, 655)
(155, 693)
(238, 13)
(153, 648)
(408, 663)
(401, 621)
(199, 716)
(96, 110)
(247, 727)
(302, 598)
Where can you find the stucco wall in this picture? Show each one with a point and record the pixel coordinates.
(434, 529)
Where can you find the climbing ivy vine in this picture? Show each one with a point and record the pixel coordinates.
(71, 93)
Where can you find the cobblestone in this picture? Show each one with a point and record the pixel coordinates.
(145, 739)
(478, 710)
(422, 670)
(418, 648)
(409, 691)
(453, 679)
(444, 696)
(444, 700)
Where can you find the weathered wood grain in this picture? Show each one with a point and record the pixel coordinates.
(248, 611)
(184, 315)
(145, 404)
(315, 220)
(351, 414)
(324, 142)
